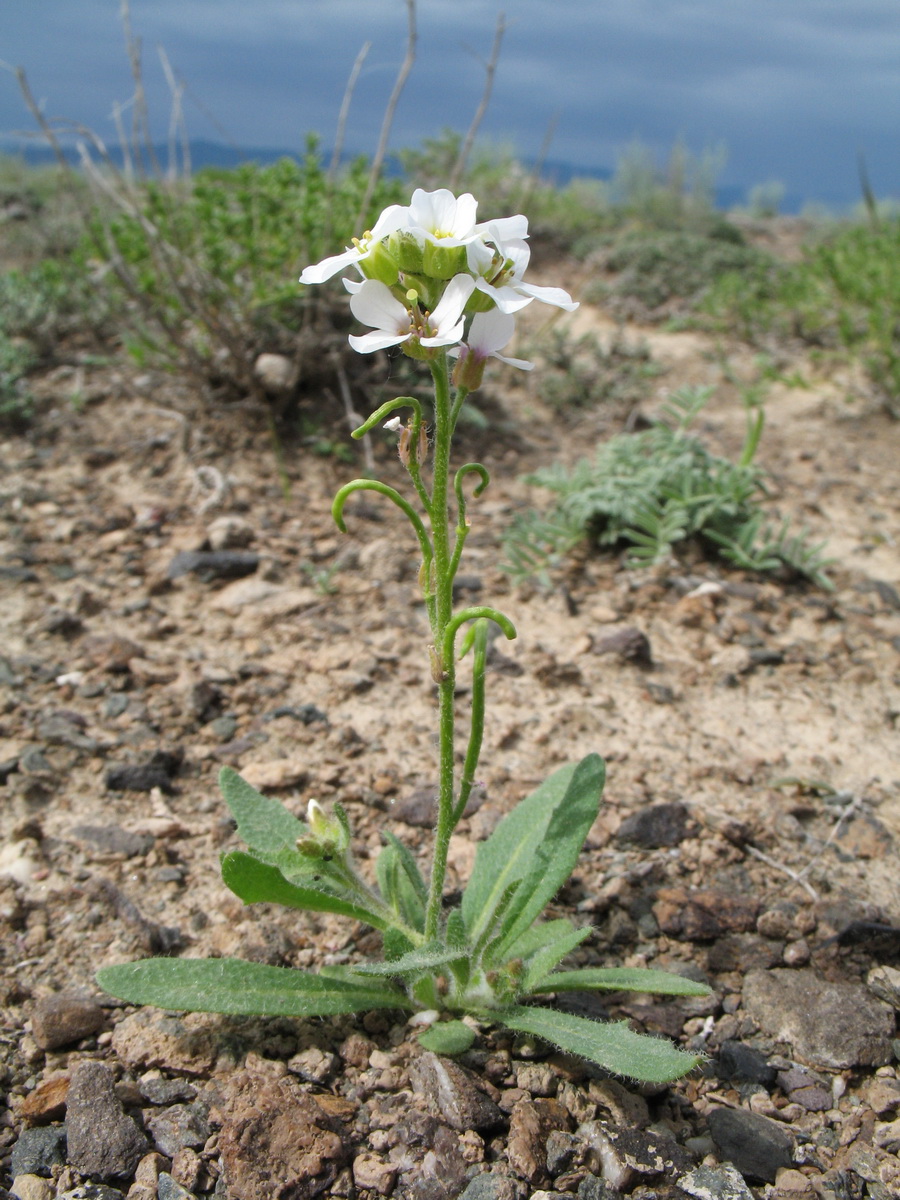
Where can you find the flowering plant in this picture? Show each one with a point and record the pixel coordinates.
(441, 287)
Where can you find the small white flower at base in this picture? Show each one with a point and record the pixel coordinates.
(395, 424)
(427, 1017)
(489, 333)
(499, 265)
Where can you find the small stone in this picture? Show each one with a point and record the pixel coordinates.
(313, 1064)
(113, 839)
(792, 1182)
(157, 772)
(884, 982)
(756, 1145)
(882, 1095)
(592, 1187)
(628, 644)
(561, 1150)
(181, 1125)
(626, 1156)
(887, 1136)
(530, 1125)
(490, 1185)
(38, 1151)
(796, 954)
(704, 914)
(47, 1102)
(158, 1090)
(277, 373)
(830, 1025)
(213, 564)
(92, 1191)
(170, 1189)
(148, 1038)
(31, 1187)
(657, 826)
(230, 533)
(281, 773)
(374, 1174)
(743, 1063)
(452, 1094)
(103, 1141)
(715, 1183)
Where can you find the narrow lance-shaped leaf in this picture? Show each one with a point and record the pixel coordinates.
(415, 962)
(621, 979)
(449, 1037)
(230, 985)
(612, 1046)
(542, 962)
(257, 882)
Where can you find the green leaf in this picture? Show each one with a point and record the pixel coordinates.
(545, 933)
(553, 862)
(544, 960)
(258, 882)
(263, 822)
(409, 865)
(400, 883)
(416, 962)
(507, 855)
(622, 979)
(612, 1046)
(449, 1037)
(230, 985)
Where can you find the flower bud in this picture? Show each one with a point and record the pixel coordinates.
(379, 264)
(479, 302)
(469, 369)
(406, 250)
(443, 262)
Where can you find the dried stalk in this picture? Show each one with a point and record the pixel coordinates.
(345, 112)
(402, 76)
(490, 70)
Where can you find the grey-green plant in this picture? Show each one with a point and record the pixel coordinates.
(441, 287)
(653, 490)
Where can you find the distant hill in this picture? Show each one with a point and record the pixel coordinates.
(218, 154)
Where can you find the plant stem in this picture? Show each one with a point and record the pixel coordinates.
(445, 670)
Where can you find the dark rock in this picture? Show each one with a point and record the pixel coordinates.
(744, 1063)
(144, 777)
(629, 644)
(103, 1141)
(92, 1191)
(113, 839)
(490, 1185)
(531, 1123)
(829, 1025)
(307, 713)
(626, 1156)
(65, 1018)
(38, 1151)
(181, 1125)
(36, 761)
(715, 1183)
(757, 1146)
(744, 952)
(213, 564)
(170, 1189)
(659, 825)
(592, 1187)
(166, 1091)
(418, 808)
(59, 729)
(277, 1141)
(561, 1150)
(806, 1089)
(703, 914)
(451, 1092)
(115, 705)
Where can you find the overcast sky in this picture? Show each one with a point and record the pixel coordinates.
(795, 89)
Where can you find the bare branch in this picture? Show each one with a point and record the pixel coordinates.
(402, 76)
(534, 178)
(176, 121)
(490, 70)
(345, 111)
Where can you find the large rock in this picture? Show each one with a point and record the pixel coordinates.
(103, 1141)
(829, 1025)
(757, 1146)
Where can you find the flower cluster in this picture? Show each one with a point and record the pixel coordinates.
(434, 279)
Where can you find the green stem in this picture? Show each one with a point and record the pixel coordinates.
(476, 728)
(445, 669)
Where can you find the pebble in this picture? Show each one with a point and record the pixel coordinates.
(452, 1094)
(625, 1156)
(628, 644)
(374, 1174)
(657, 826)
(179, 1126)
(530, 1125)
(92, 1191)
(230, 533)
(884, 982)
(64, 1018)
(38, 1151)
(47, 1102)
(170, 1189)
(756, 1145)
(281, 773)
(715, 1183)
(31, 1187)
(739, 1062)
(490, 1185)
(148, 1038)
(213, 564)
(158, 1090)
(103, 1141)
(113, 839)
(704, 914)
(829, 1025)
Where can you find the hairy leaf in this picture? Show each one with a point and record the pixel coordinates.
(449, 1037)
(612, 1046)
(263, 822)
(415, 962)
(230, 985)
(258, 882)
(542, 962)
(621, 979)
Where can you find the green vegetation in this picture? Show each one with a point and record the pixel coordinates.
(582, 373)
(653, 490)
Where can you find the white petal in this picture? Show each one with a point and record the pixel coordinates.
(548, 295)
(490, 331)
(446, 337)
(464, 222)
(353, 285)
(319, 272)
(516, 362)
(505, 227)
(479, 257)
(374, 305)
(506, 298)
(453, 301)
(377, 340)
(519, 254)
(394, 217)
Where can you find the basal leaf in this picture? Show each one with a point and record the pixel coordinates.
(415, 962)
(612, 1046)
(263, 822)
(543, 961)
(448, 1037)
(410, 866)
(507, 855)
(554, 860)
(545, 933)
(230, 985)
(621, 979)
(399, 881)
(258, 882)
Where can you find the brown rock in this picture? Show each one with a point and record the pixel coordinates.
(111, 652)
(64, 1018)
(629, 644)
(530, 1125)
(697, 916)
(182, 1044)
(282, 773)
(374, 1174)
(276, 1142)
(102, 1140)
(47, 1102)
(452, 1093)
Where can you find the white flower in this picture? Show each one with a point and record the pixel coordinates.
(375, 305)
(443, 217)
(393, 218)
(489, 333)
(499, 266)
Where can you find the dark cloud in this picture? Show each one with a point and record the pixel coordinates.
(795, 88)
